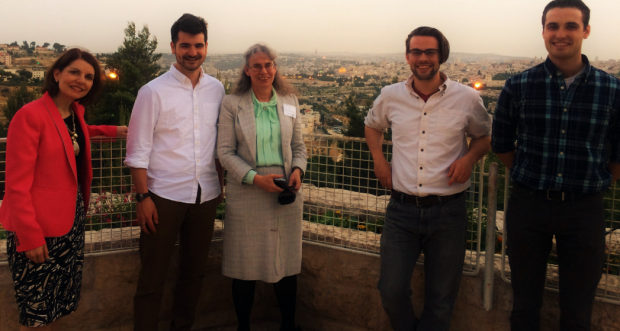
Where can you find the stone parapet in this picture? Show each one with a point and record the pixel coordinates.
(337, 291)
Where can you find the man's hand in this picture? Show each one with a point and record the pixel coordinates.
(38, 255)
(266, 182)
(383, 171)
(147, 216)
(295, 180)
(121, 131)
(460, 171)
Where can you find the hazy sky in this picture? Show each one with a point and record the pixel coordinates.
(507, 27)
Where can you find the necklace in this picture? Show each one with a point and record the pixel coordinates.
(73, 134)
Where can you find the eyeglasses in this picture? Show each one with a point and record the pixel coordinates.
(418, 52)
(258, 67)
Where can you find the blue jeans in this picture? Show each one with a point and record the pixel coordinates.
(437, 231)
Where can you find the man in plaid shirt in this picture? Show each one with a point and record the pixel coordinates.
(563, 115)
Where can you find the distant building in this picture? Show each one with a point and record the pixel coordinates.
(38, 74)
(42, 49)
(6, 59)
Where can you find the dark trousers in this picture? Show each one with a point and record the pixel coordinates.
(286, 293)
(193, 223)
(438, 231)
(579, 229)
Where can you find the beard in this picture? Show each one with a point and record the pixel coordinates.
(428, 76)
(184, 62)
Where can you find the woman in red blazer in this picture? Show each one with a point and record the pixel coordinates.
(48, 177)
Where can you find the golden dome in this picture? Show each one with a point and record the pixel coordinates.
(342, 70)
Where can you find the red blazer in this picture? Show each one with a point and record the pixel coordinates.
(41, 175)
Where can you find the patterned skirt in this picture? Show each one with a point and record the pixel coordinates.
(50, 290)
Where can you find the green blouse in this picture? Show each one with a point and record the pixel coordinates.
(268, 139)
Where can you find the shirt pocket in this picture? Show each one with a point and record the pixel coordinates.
(448, 123)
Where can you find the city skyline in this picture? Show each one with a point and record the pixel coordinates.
(345, 26)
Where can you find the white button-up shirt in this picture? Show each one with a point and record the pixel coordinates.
(428, 136)
(172, 134)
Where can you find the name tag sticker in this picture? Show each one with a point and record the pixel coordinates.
(290, 111)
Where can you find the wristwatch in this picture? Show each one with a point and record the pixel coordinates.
(141, 196)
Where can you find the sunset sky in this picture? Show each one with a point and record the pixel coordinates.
(506, 27)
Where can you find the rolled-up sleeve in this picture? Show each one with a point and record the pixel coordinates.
(141, 126)
(479, 121)
(505, 122)
(377, 117)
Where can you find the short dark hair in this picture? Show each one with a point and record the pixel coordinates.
(585, 11)
(442, 42)
(50, 85)
(191, 24)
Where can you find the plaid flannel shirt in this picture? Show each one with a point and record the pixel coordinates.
(562, 134)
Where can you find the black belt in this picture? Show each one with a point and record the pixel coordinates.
(429, 200)
(554, 195)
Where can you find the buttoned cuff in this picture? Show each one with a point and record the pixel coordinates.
(301, 172)
(137, 162)
(249, 177)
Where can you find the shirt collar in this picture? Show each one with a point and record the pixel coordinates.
(270, 103)
(442, 88)
(552, 70)
(179, 76)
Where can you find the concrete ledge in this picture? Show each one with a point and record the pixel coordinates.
(337, 291)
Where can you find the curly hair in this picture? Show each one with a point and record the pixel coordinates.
(244, 82)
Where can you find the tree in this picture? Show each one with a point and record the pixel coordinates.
(135, 63)
(25, 73)
(46, 45)
(25, 45)
(136, 60)
(14, 44)
(356, 125)
(16, 101)
(465, 80)
(33, 45)
(58, 47)
(394, 79)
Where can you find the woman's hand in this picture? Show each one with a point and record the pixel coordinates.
(38, 255)
(266, 182)
(121, 131)
(295, 180)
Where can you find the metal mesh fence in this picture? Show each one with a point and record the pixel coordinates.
(344, 203)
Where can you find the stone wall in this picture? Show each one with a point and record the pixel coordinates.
(337, 291)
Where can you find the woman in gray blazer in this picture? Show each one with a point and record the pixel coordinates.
(259, 143)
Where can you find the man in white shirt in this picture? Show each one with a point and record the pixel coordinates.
(178, 179)
(431, 117)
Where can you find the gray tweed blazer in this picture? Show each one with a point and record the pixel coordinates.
(236, 141)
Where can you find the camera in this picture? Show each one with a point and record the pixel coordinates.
(288, 196)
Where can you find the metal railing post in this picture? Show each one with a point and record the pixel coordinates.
(489, 260)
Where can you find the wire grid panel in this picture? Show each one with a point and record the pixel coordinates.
(111, 214)
(609, 286)
(111, 217)
(111, 220)
(344, 203)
